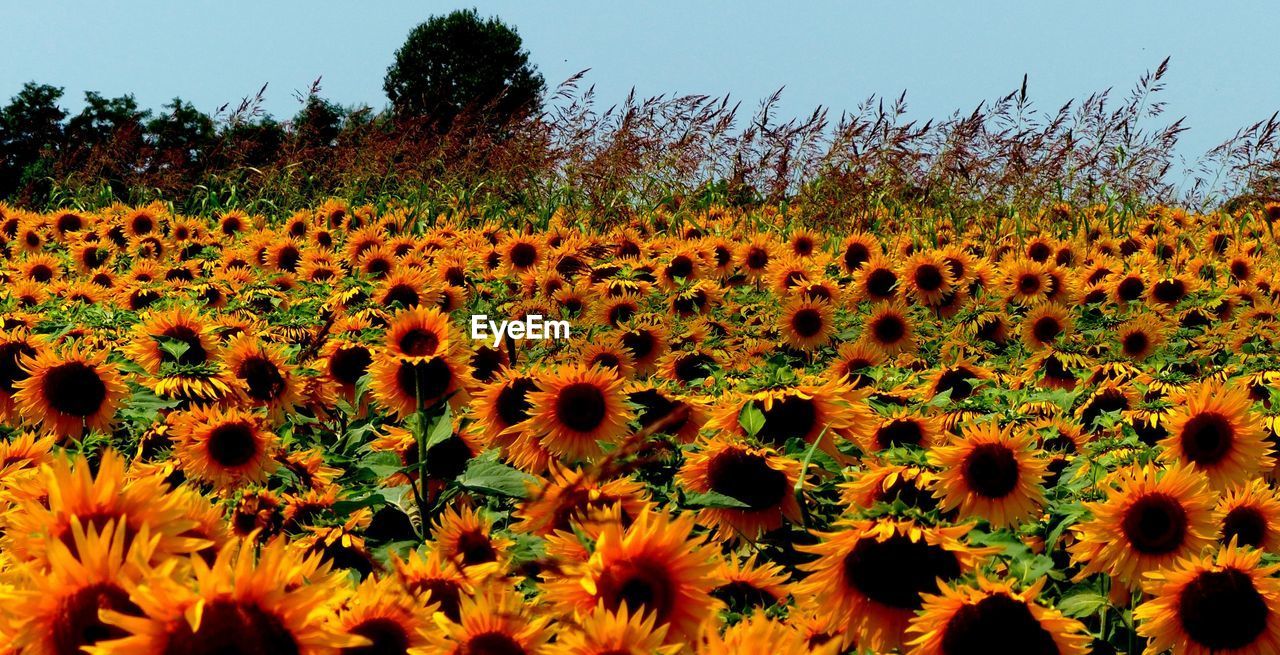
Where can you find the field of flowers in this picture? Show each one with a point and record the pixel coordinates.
(276, 434)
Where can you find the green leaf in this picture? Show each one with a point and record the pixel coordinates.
(486, 475)
(441, 428)
(751, 419)
(174, 347)
(713, 500)
(1084, 603)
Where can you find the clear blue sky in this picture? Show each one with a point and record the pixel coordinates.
(947, 55)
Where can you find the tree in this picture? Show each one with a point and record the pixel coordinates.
(30, 127)
(106, 119)
(460, 63)
(180, 135)
(318, 124)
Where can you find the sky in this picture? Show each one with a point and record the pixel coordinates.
(946, 55)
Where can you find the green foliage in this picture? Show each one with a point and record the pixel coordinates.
(460, 63)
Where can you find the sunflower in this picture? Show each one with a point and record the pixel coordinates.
(871, 576)
(575, 497)
(655, 566)
(575, 408)
(345, 363)
(1215, 430)
(1129, 287)
(807, 324)
(443, 582)
(746, 584)
(72, 492)
(1140, 337)
(238, 600)
(602, 632)
(503, 404)
(929, 279)
(659, 409)
(1226, 602)
(759, 479)
(1250, 516)
(806, 411)
(1026, 282)
(755, 255)
(994, 619)
(889, 483)
(226, 448)
(876, 280)
(1044, 325)
(263, 377)
(185, 341)
(991, 474)
(902, 428)
(758, 634)
(888, 329)
(383, 613)
(16, 345)
(496, 620)
(1149, 519)
(57, 610)
(856, 250)
(69, 391)
(409, 287)
(464, 537)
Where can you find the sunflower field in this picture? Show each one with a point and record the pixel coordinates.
(274, 434)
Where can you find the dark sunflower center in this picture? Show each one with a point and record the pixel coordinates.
(404, 294)
(448, 459)
(426, 380)
(475, 547)
(523, 255)
(419, 342)
(1239, 270)
(899, 432)
(232, 444)
(855, 255)
(75, 389)
(69, 223)
(1222, 610)
(789, 417)
(1135, 343)
(992, 330)
(513, 401)
(493, 643)
(894, 572)
(889, 330)
(880, 282)
(642, 585)
(228, 627)
(991, 470)
(1111, 400)
(76, 622)
(1169, 291)
(1046, 329)
(1029, 284)
(1155, 525)
(143, 225)
(956, 381)
(757, 258)
(388, 637)
(1247, 525)
(377, 267)
(1207, 438)
(348, 365)
(445, 592)
(640, 343)
(681, 267)
(41, 273)
(263, 379)
(807, 322)
(288, 258)
(606, 360)
(928, 277)
(996, 625)
(581, 406)
(748, 478)
(1130, 289)
(692, 367)
(11, 371)
(195, 353)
